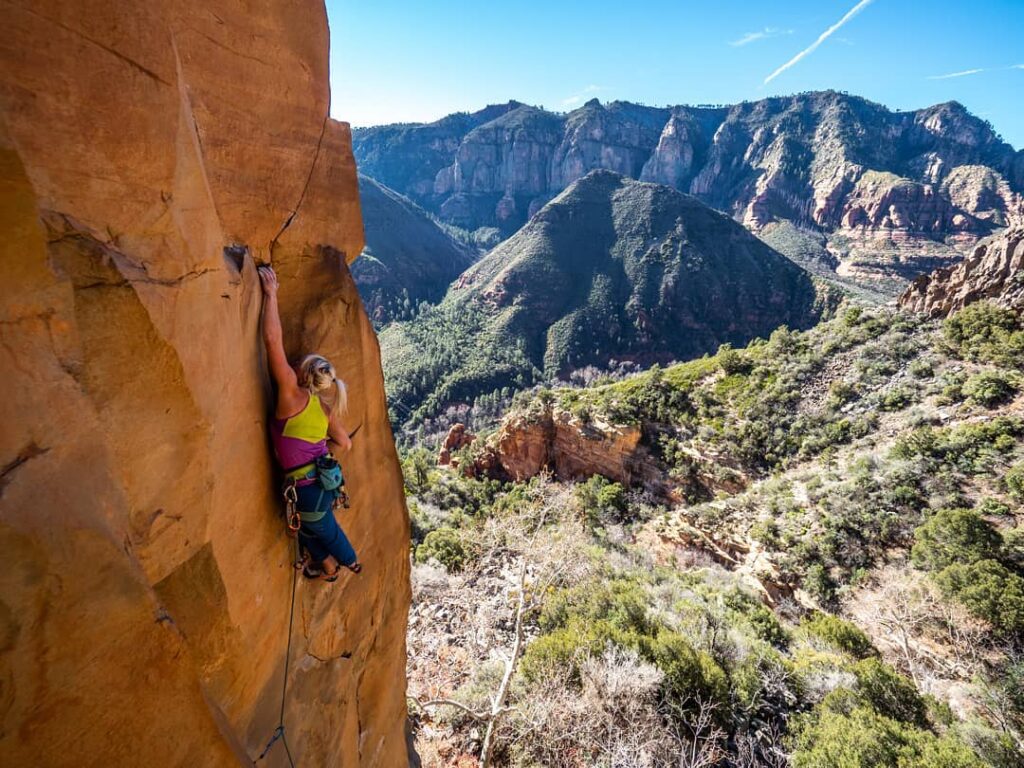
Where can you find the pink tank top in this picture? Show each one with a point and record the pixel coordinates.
(302, 438)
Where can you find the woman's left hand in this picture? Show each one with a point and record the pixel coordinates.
(345, 443)
(268, 279)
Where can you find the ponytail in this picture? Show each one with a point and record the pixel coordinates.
(318, 377)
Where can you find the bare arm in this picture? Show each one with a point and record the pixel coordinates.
(289, 398)
(339, 434)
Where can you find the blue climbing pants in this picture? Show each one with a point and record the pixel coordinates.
(323, 537)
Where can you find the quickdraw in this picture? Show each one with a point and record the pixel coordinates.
(291, 498)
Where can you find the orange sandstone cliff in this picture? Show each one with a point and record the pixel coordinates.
(144, 594)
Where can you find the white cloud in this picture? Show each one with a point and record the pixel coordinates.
(764, 34)
(821, 39)
(965, 73)
(976, 71)
(577, 98)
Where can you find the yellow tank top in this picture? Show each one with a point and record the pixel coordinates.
(310, 424)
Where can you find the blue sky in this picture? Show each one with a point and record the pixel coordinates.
(406, 61)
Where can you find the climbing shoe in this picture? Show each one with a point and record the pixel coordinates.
(311, 571)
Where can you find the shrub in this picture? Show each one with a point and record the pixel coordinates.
(987, 333)
(600, 498)
(1014, 481)
(989, 590)
(766, 625)
(444, 545)
(1013, 549)
(689, 673)
(889, 692)
(840, 392)
(990, 507)
(819, 583)
(416, 468)
(953, 536)
(839, 633)
(859, 737)
(989, 388)
(922, 369)
(733, 361)
(896, 399)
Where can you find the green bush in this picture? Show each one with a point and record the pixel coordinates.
(835, 735)
(733, 361)
(989, 590)
(839, 633)
(922, 369)
(819, 583)
(1014, 481)
(888, 692)
(990, 388)
(990, 507)
(953, 536)
(688, 672)
(986, 333)
(841, 392)
(896, 399)
(766, 625)
(1013, 548)
(416, 468)
(444, 545)
(600, 498)
(971, 448)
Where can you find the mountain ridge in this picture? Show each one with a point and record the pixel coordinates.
(896, 193)
(611, 269)
(408, 257)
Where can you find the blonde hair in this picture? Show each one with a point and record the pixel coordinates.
(317, 376)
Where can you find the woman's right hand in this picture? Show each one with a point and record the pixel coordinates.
(268, 279)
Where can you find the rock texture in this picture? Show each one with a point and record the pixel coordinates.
(995, 271)
(144, 599)
(900, 191)
(611, 269)
(458, 437)
(554, 440)
(408, 257)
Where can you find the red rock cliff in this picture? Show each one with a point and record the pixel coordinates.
(144, 597)
(995, 271)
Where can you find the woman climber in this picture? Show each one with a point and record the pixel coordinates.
(311, 401)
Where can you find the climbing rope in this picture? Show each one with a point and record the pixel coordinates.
(279, 731)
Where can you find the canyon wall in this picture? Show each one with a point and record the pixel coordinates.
(144, 599)
(895, 193)
(994, 271)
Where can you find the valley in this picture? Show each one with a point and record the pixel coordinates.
(691, 486)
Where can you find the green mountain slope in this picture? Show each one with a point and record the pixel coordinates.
(408, 258)
(612, 269)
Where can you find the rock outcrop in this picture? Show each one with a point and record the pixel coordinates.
(918, 188)
(458, 437)
(144, 606)
(556, 441)
(995, 271)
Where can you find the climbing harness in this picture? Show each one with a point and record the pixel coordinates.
(279, 731)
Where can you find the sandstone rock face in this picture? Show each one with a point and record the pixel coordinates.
(995, 271)
(145, 592)
(924, 184)
(457, 438)
(525, 446)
